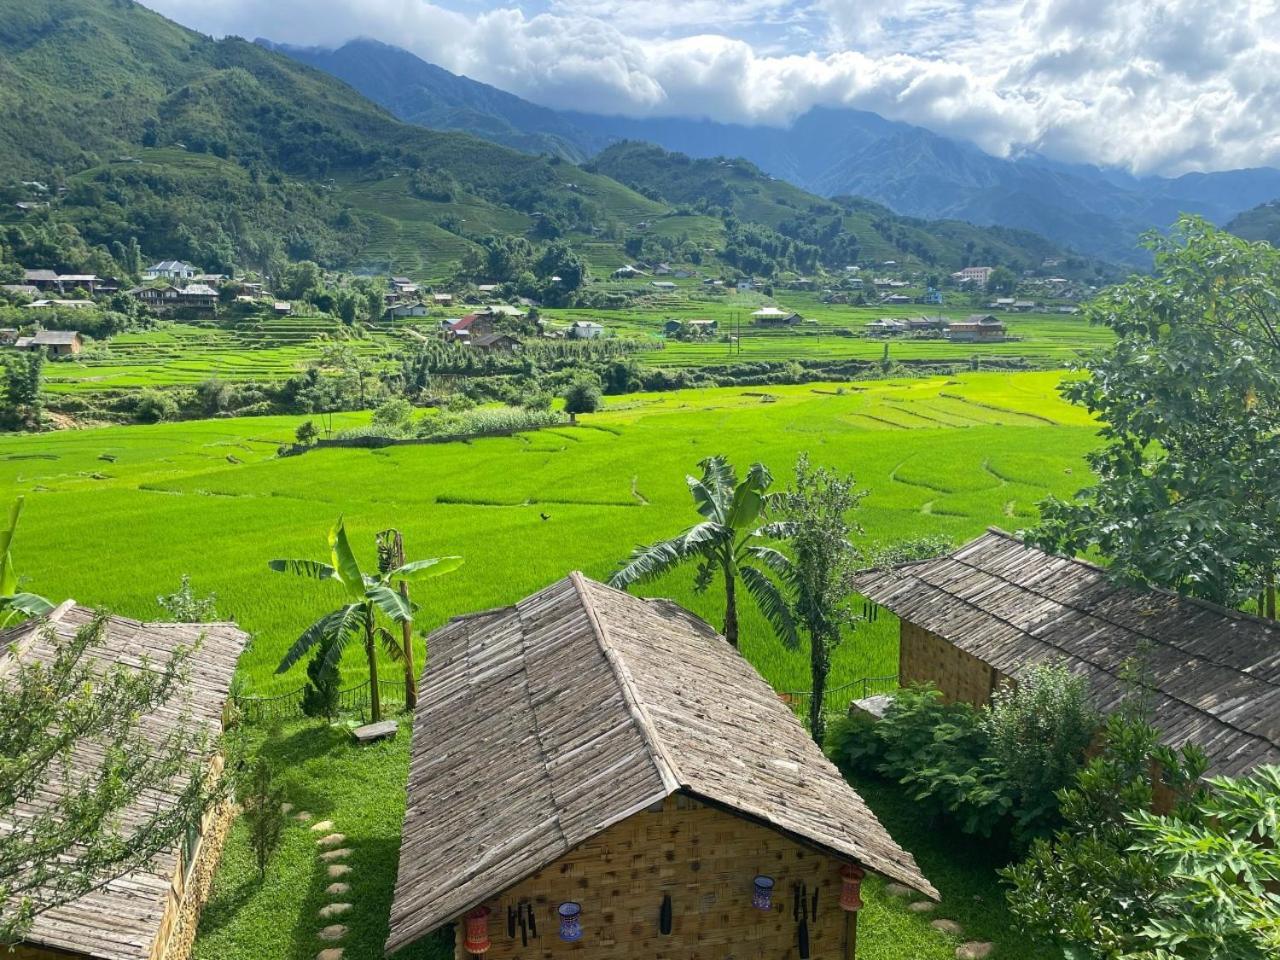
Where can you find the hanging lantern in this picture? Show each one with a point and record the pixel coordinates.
(762, 893)
(477, 925)
(851, 887)
(570, 922)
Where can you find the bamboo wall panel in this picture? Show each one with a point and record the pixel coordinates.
(925, 657)
(705, 859)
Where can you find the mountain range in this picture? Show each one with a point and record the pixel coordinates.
(830, 152)
(138, 137)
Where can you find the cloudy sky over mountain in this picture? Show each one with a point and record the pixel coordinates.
(1158, 87)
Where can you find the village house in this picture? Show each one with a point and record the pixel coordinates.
(152, 912)
(442, 299)
(497, 343)
(703, 327)
(625, 271)
(199, 296)
(585, 330)
(40, 279)
(402, 310)
(887, 327)
(8, 336)
(984, 615)
(600, 772)
(87, 282)
(896, 299)
(978, 275)
(472, 326)
(46, 303)
(978, 328)
(159, 297)
(662, 284)
(56, 343)
(171, 270)
(774, 317)
(281, 308)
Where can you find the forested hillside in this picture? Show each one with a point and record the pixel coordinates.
(129, 136)
(768, 217)
(1260, 223)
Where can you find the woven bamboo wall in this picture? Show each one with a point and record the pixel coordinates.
(925, 657)
(705, 859)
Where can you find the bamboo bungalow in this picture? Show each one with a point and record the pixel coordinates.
(149, 914)
(987, 613)
(596, 772)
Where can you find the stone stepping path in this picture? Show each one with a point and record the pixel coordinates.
(331, 854)
(969, 950)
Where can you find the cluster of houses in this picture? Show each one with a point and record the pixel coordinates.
(976, 328)
(55, 343)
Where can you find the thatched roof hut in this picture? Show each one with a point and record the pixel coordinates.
(989, 611)
(149, 911)
(588, 747)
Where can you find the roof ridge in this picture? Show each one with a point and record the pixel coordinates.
(666, 767)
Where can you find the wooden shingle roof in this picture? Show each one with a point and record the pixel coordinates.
(121, 920)
(1216, 672)
(542, 724)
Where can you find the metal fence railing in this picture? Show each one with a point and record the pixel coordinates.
(288, 706)
(836, 700)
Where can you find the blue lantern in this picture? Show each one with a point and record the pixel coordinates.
(570, 922)
(762, 893)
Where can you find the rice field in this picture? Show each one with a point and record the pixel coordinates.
(119, 513)
(116, 515)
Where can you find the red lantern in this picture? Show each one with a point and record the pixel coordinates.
(851, 887)
(477, 939)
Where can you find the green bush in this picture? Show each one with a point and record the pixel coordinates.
(320, 695)
(1038, 733)
(152, 406)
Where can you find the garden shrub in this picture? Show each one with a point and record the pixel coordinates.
(1038, 732)
(185, 607)
(152, 406)
(320, 695)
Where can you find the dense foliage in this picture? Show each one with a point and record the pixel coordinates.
(1189, 401)
(994, 771)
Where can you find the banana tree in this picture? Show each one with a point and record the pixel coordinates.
(15, 603)
(367, 598)
(725, 543)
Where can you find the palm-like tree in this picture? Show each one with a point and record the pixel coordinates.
(15, 603)
(367, 596)
(725, 543)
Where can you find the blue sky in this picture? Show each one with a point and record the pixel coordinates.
(1155, 86)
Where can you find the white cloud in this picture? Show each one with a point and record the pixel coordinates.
(1152, 85)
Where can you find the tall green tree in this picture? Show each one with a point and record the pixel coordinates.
(1188, 480)
(20, 404)
(368, 599)
(726, 543)
(813, 518)
(76, 840)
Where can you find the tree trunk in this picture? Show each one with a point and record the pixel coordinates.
(1271, 600)
(371, 651)
(819, 666)
(410, 675)
(730, 607)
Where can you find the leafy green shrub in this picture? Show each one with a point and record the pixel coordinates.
(320, 695)
(306, 433)
(582, 395)
(1038, 732)
(262, 800)
(1088, 889)
(152, 406)
(393, 415)
(1223, 870)
(185, 607)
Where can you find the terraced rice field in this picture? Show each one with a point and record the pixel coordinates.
(178, 354)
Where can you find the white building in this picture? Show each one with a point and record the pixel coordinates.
(170, 270)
